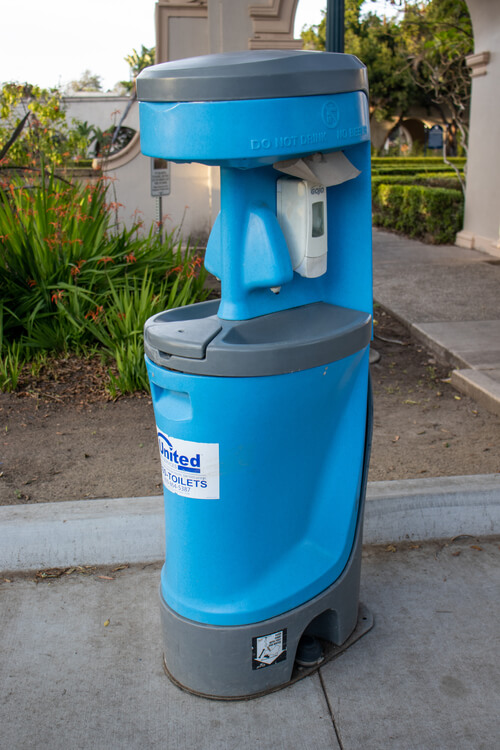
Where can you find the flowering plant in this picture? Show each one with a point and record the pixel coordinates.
(71, 278)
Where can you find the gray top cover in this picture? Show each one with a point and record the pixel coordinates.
(257, 74)
(194, 339)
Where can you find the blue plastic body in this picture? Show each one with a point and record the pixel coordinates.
(251, 133)
(246, 249)
(291, 453)
(290, 446)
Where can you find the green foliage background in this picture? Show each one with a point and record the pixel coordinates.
(45, 135)
(414, 58)
(71, 279)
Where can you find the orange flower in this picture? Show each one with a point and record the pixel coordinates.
(107, 259)
(193, 267)
(76, 269)
(130, 258)
(31, 283)
(177, 269)
(57, 296)
(94, 314)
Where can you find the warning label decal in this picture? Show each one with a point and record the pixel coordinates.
(189, 469)
(268, 649)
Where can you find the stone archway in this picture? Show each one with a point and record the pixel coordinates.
(186, 28)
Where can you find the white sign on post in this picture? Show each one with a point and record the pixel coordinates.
(160, 177)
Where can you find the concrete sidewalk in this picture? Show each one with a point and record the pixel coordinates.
(426, 676)
(449, 297)
(81, 655)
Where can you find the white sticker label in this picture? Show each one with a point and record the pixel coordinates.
(189, 469)
(268, 649)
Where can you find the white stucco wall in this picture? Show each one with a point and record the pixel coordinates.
(97, 109)
(187, 208)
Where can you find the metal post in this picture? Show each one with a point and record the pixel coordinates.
(335, 26)
(159, 216)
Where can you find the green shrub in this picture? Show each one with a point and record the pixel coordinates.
(432, 214)
(431, 179)
(33, 128)
(385, 161)
(118, 325)
(11, 360)
(413, 170)
(69, 277)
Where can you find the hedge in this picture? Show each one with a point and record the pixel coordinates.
(431, 214)
(411, 161)
(409, 170)
(429, 179)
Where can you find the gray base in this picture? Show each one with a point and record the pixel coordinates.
(219, 661)
(330, 651)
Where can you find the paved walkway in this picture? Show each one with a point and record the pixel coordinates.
(450, 298)
(426, 676)
(80, 655)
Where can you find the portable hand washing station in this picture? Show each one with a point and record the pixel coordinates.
(262, 399)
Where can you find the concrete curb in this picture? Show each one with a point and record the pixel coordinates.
(434, 508)
(483, 385)
(480, 386)
(102, 532)
(82, 532)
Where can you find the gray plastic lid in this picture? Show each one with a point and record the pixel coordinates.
(194, 339)
(256, 74)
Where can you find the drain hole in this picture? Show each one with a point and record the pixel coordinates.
(309, 651)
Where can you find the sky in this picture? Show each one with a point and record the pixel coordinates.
(52, 42)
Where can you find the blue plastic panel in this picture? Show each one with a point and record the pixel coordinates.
(250, 133)
(247, 250)
(290, 455)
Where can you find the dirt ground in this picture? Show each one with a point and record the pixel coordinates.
(63, 439)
